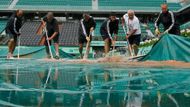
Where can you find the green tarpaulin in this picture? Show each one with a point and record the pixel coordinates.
(170, 47)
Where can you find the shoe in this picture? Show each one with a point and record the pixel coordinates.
(85, 57)
(56, 57)
(80, 57)
(10, 56)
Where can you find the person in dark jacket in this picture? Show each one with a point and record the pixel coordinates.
(13, 31)
(52, 27)
(167, 18)
(87, 26)
(107, 29)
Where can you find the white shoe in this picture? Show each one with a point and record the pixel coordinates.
(11, 57)
(85, 57)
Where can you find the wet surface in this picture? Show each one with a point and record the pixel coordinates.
(54, 84)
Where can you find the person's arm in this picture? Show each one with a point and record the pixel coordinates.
(173, 21)
(157, 22)
(83, 28)
(14, 26)
(108, 29)
(43, 21)
(123, 19)
(135, 28)
(56, 29)
(132, 32)
(54, 34)
(116, 30)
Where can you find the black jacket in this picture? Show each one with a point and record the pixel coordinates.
(169, 22)
(110, 27)
(52, 26)
(13, 25)
(87, 25)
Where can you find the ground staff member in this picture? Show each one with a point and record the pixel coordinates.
(13, 31)
(87, 26)
(107, 29)
(167, 18)
(52, 27)
(133, 30)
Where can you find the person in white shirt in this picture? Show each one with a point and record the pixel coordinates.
(133, 30)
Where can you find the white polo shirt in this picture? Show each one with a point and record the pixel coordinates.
(132, 24)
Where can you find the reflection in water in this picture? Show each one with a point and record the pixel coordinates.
(9, 77)
(134, 98)
(169, 96)
(42, 84)
(48, 99)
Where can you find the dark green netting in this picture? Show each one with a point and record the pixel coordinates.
(170, 47)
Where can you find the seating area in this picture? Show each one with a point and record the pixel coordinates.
(3, 38)
(142, 3)
(80, 5)
(4, 4)
(148, 5)
(68, 34)
(28, 35)
(2, 25)
(55, 4)
(174, 6)
(185, 26)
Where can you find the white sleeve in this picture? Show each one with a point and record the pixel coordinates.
(125, 17)
(83, 28)
(156, 22)
(15, 26)
(173, 21)
(108, 29)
